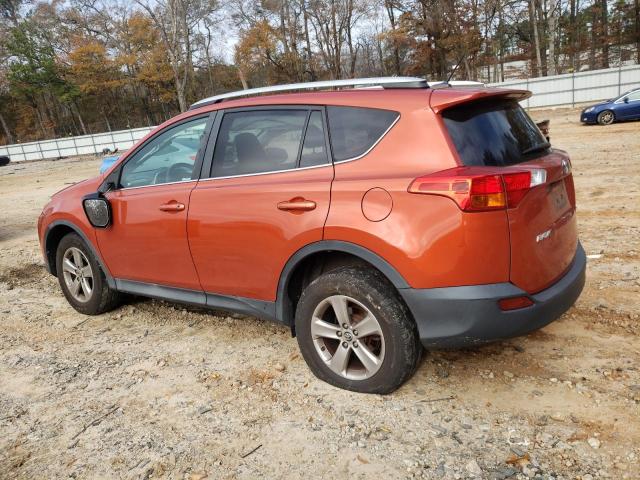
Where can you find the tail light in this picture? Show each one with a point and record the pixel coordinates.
(477, 190)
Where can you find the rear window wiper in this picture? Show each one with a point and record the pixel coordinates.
(536, 148)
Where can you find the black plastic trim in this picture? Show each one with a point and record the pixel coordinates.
(455, 317)
(94, 251)
(248, 306)
(182, 295)
(284, 308)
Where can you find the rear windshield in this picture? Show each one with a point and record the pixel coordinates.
(494, 133)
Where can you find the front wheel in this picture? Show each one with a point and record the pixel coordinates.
(355, 332)
(606, 117)
(81, 278)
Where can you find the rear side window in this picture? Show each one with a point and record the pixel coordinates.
(355, 130)
(494, 133)
(258, 141)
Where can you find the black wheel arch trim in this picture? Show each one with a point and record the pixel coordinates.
(284, 309)
(56, 223)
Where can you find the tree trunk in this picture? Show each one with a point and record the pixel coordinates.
(553, 22)
(7, 132)
(541, 32)
(77, 112)
(307, 41)
(392, 21)
(637, 9)
(572, 35)
(605, 34)
(242, 79)
(536, 38)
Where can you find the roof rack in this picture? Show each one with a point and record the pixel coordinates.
(380, 82)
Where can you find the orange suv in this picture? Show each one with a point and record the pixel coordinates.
(372, 221)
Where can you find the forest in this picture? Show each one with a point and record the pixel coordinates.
(76, 67)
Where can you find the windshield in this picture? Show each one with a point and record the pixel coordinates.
(494, 133)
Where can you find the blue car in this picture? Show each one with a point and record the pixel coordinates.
(107, 162)
(624, 107)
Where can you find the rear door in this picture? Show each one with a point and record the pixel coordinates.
(266, 197)
(498, 135)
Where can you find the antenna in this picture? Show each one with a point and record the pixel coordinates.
(455, 68)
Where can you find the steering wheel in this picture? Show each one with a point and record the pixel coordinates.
(160, 177)
(178, 172)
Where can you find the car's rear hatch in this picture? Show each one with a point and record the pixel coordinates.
(495, 134)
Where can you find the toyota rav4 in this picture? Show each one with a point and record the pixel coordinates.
(371, 221)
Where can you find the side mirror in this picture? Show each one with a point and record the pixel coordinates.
(626, 100)
(97, 209)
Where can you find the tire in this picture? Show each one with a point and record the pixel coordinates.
(395, 345)
(4, 160)
(606, 117)
(99, 298)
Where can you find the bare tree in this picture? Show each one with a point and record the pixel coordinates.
(177, 22)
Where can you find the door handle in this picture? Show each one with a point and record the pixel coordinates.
(172, 206)
(297, 204)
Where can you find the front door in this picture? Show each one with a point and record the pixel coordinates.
(267, 197)
(147, 241)
(629, 109)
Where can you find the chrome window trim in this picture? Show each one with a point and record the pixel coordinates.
(155, 185)
(295, 169)
(313, 166)
(372, 146)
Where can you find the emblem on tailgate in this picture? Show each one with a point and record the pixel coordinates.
(543, 236)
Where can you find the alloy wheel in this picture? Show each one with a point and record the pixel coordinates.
(607, 117)
(347, 337)
(78, 275)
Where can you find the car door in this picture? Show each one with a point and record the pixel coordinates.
(628, 107)
(267, 197)
(147, 240)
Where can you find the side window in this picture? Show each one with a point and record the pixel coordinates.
(258, 141)
(314, 151)
(355, 130)
(635, 96)
(169, 157)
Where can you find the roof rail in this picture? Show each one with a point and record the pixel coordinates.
(382, 82)
(456, 83)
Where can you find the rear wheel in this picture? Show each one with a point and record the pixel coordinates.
(81, 278)
(355, 332)
(606, 117)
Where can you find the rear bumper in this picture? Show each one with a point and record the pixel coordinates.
(456, 317)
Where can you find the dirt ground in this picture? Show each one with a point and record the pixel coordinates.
(154, 390)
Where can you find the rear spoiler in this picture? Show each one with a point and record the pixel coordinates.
(446, 98)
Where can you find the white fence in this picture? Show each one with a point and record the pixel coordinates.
(559, 90)
(574, 88)
(66, 147)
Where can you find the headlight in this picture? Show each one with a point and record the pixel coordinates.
(590, 109)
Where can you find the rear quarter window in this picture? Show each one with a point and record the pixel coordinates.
(494, 133)
(355, 130)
